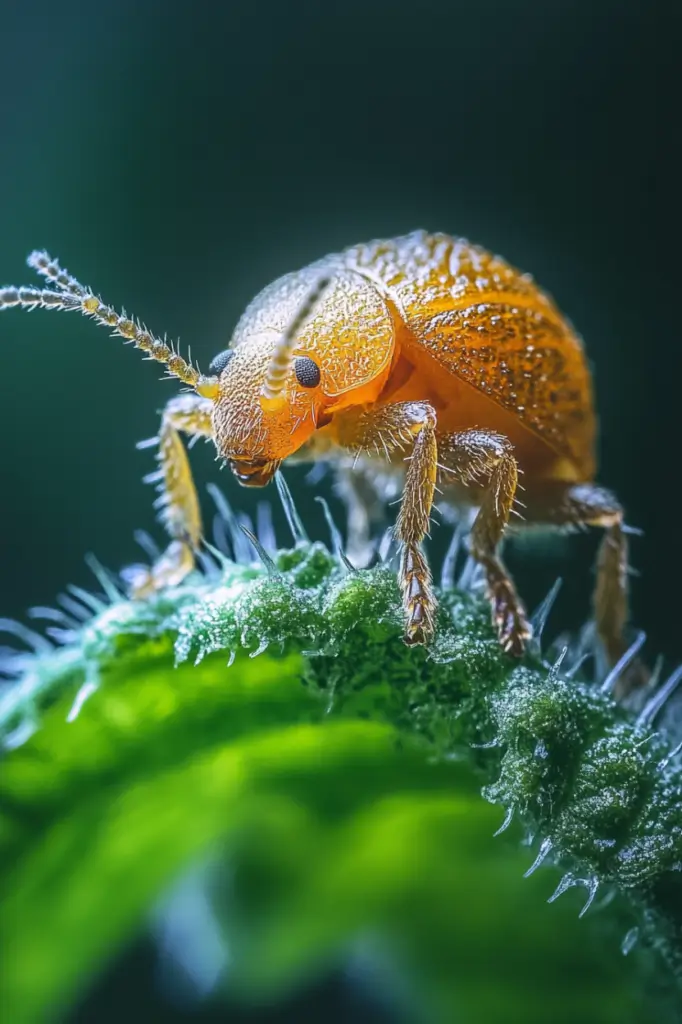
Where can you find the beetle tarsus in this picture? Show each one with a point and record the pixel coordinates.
(514, 633)
(418, 599)
(508, 614)
(176, 562)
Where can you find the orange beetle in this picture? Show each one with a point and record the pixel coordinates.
(425, 351)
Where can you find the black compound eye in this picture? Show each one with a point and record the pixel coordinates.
(307, 372)
(218, 364)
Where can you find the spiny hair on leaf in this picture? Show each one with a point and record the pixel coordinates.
(542, 737)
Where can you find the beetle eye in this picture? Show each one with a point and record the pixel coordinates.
(307, 372)
(218, 364)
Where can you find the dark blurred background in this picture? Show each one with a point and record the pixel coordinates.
(178, 157)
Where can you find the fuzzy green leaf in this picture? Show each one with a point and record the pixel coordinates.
(326, 780)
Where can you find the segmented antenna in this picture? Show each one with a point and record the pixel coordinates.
(272, 392)
(69, 294)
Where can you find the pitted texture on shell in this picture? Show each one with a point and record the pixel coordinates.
(350, 333)
(491, 326)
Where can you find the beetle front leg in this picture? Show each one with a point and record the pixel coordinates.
(484, 459)
(384, 431)
(178, 500)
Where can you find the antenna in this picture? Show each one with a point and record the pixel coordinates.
(68, 294)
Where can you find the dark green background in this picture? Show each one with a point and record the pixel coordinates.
(177, 157)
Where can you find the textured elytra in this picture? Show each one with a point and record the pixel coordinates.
(492, 326)
(465, 317)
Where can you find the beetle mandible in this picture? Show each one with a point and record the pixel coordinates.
(429, 352)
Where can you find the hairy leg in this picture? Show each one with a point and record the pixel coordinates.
(484, 460)
(384, 431)
(177, 500)
(577, 505)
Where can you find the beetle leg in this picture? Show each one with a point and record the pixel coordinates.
(578, 505)
(177, 500)
(383, 431)
(485, 459)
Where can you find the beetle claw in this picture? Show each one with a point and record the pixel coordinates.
(414, 639)
(509, 619)
(515, 644)
(417, 636)
(169, 570)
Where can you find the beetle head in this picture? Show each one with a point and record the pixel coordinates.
(278, 383)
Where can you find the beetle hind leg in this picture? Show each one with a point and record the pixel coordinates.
(177, 501)
(577, 505)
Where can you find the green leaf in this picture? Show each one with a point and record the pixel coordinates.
(327, 784)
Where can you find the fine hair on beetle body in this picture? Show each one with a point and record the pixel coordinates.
(410, 364)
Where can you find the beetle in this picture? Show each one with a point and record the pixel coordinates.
(431, 353)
